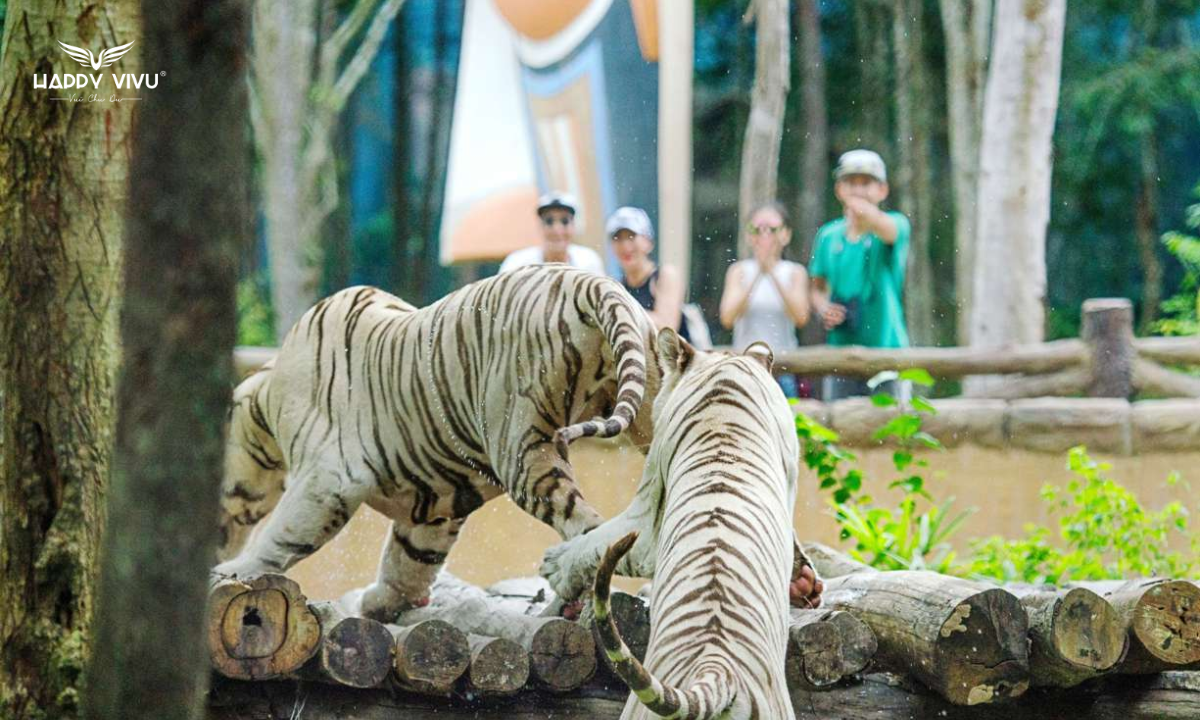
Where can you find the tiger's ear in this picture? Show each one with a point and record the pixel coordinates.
(674, 353)
(761, 352)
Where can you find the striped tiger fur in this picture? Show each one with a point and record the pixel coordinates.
(712, 523)
(426, 414)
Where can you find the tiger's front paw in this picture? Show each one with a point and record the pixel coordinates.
(382, 602)
(567, 567)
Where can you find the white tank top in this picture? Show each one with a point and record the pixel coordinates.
(766, 316)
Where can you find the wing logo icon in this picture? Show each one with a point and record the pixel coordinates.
(104, 59)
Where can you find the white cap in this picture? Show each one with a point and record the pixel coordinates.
(629, 218)
(861, 162)
(562, 200)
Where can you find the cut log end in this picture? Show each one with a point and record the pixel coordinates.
(858, 641)
(981, 652)
(430, 656)
(498, 667)
(562, 655)
(1167, 622)
(814, 655)
(1087, 631)
(357, 652)
(261, 628)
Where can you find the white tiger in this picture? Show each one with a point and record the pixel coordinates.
(712, 524)
(426, 414)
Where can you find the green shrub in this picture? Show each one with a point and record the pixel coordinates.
(255, 317)
(1104, 533)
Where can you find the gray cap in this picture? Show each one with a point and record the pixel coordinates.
(629, 218)
(861, 162)
(555, 199)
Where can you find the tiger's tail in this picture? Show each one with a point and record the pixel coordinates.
(705, 698)
(615, 312)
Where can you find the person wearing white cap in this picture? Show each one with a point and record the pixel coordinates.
(858, 265)
(556, 210)
(659, 289)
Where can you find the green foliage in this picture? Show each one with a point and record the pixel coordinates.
(1181, 312)
(1105, 533)
(256, 318)
(915, 533)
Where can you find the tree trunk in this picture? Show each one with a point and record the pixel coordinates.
(188, 227)
(814, 162)
(1147, 232)
(913, 131)
(871, 29)
(967, 27)
(62, 201)
(764, 128)
(285, 44)
(1020, 107)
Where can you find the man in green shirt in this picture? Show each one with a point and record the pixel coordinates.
(858, 265)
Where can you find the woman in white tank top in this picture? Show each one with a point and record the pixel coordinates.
(766, 297)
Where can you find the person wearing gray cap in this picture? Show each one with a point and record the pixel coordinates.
(557, 213)
(858, 266)
(659, 289)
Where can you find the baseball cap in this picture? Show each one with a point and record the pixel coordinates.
(861, 162)
(629, 218)
(562, 200)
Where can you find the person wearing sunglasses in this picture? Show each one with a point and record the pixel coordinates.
(765, 296)
(556, 210)
(858, 266)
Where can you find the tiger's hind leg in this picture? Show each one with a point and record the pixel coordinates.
(254, 469)
(412, 556)
(547, 491)
(316, 505)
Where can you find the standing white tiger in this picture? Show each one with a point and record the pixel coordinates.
(426, 414)
(712, 520)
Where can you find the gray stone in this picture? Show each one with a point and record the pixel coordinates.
(1057, 424)
(1166, 425)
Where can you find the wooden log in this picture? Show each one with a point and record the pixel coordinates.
(562, 653)
(1063, 383)
(858, 640)
(964, 640)
(260, 628)
(1169, 350)
(814, 652)
(831, 563)
(1162, 618)
(1150, 377)
(950, 362)
(632, 616)
(430, 656)
(1108, 333)
(498, 668)
(1074, 635)
(356, 652)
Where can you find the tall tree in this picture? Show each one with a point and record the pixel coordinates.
(187, 226)
(1019, 111)
(63, 167)
(764, 129)
(913, 130)
(300, 82)
(872, 28)
(814, 158)
(967, 27)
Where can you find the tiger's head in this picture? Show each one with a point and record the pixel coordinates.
(678, 361)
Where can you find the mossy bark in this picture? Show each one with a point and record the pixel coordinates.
(63, 170)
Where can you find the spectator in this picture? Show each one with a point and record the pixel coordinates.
(858, 266)
(766, 297)
(658, 289)
(557, 213)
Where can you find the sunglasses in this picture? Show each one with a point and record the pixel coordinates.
(550, 221)
(765, 229)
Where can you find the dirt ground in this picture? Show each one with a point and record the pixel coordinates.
(500, 541)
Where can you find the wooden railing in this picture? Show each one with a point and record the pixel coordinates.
(1108, 361)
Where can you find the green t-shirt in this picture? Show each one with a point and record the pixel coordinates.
(870, 270)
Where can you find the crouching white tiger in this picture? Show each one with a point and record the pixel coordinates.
(712, 521)
(426, 414)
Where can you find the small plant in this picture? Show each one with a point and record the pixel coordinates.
(1105, 533)
(1182, 311)
(903, 537)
